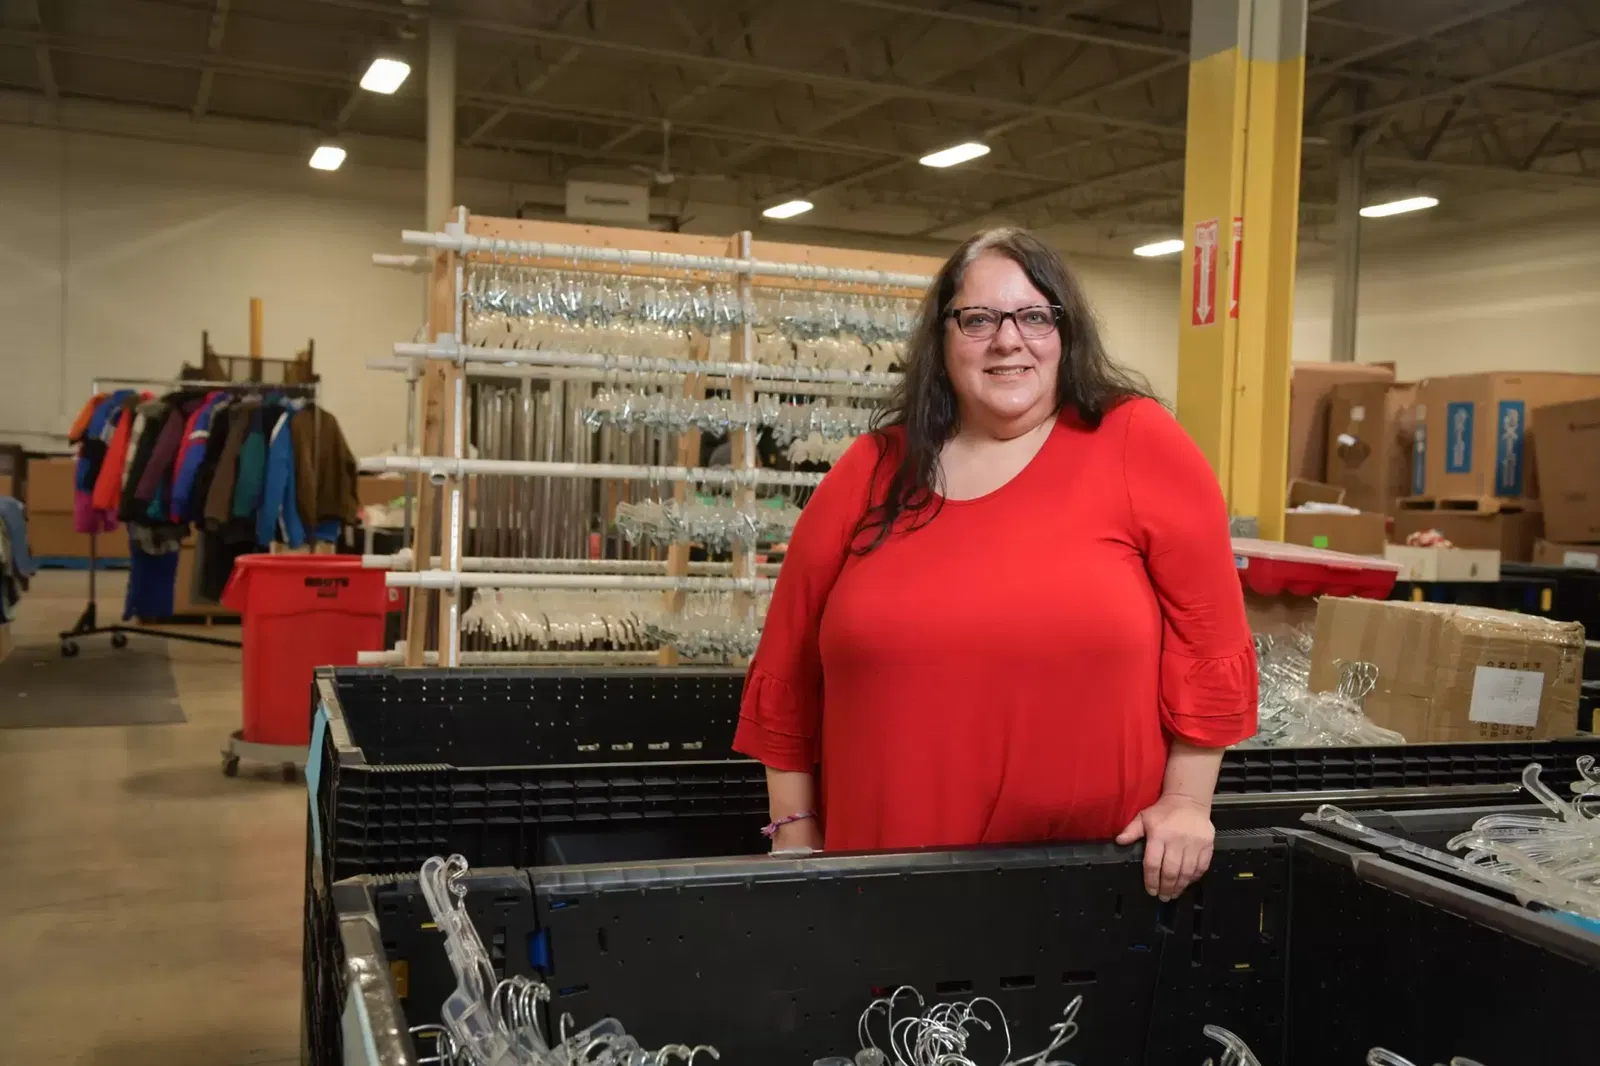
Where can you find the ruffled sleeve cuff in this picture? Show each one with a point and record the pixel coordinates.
(1210, 703)
(777, 726)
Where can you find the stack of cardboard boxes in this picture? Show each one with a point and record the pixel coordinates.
(1503, 462)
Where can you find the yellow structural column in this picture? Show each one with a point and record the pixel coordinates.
(1241, 208)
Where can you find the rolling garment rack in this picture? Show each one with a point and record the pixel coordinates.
(88, 623)
(472, 249)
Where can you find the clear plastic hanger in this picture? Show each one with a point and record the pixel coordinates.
(485, 1022)
(1235, 1052)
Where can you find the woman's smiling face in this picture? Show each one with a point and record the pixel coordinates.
(1006, 380)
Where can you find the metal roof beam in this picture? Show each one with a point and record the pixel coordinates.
(537, 84)
(1437, 29)
(1574, 51)
(501, 31)
(219, 25)
(1148, 43)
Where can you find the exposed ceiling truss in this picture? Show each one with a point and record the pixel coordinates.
(1082, 101)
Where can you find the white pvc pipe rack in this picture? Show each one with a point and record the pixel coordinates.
(468, 353)
(435, 466)
(451, 580)
(397, 657)
(471, 245)
(518, 372)
(401, 560)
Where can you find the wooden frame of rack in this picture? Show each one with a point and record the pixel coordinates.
(441, 379)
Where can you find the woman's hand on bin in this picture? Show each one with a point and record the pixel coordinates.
(1178, 837)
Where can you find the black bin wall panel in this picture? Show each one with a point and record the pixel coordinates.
(486, 717)
(778, 968)
(1375, 967)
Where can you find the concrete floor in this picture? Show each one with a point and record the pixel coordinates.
(149, 906)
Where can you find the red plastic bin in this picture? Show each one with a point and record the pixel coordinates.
(300, 612)
(1271, 568)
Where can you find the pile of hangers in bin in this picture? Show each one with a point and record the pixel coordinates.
(489, 1023)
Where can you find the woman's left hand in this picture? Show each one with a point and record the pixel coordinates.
(1178, 837)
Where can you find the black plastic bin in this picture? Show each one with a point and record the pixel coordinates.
(551, 766)
(1312, 949)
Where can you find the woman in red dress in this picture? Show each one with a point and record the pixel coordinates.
(1011, 613)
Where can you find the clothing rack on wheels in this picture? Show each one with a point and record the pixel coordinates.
(88, 623)
(443, 468)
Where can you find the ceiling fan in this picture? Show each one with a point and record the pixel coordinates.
(663, 174)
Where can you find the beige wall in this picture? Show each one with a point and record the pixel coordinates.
(118, 248)
(119, 251)
(1439, 300)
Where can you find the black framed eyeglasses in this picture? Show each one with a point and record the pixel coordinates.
(981, 323)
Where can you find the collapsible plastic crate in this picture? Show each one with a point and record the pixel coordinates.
(773, 960)
(513, 768)
(1384, 954)
(1311, 949)
(529, 767)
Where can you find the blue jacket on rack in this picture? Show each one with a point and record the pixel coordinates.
(183, 477)
(278, 518)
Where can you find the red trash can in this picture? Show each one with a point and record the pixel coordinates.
(300, 612)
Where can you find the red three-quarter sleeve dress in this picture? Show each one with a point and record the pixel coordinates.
(1014, 669)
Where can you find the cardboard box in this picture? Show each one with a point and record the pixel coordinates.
(1511, 531)
(1309, 387)
(1356, 534)
(50, 486)
(1451, 673)
(1444, 564)
(1302, 491)
(1473, 430)
(372, 489)
(1371, 426)
(1582, 556)
(52, 536)
(8, 486)
(1567, 457)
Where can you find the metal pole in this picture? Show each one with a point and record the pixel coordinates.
(1347, 255)
(441, 166)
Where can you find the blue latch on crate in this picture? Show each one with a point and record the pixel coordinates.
(539, 950)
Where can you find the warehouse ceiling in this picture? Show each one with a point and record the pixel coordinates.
(747, 102)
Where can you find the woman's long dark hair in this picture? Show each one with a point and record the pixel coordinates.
(924, 403)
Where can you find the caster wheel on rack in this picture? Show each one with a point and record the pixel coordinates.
(230, 766)
(119, 640)
(69, 649)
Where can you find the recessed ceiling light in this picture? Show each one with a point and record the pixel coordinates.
(787, 209)
(960, 153)
(1155, 248)
(1399, 207)
(385, 76)
(327, 157)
